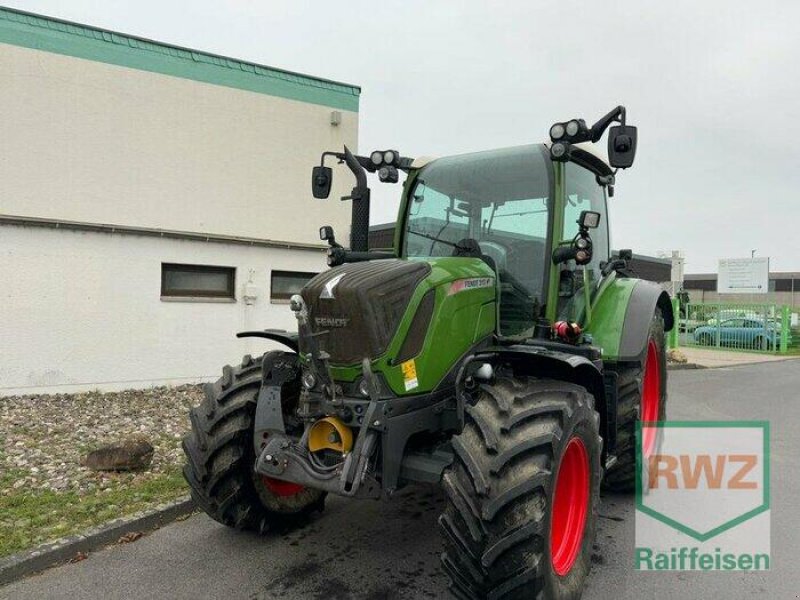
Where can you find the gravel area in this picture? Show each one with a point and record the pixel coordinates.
(43, 437)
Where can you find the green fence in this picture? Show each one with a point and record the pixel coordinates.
(746, 327)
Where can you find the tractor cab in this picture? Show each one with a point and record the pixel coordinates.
(519, 210)
(499, 206)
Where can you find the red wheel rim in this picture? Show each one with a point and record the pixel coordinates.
(651, 398)
(570, 506)
(282, 489)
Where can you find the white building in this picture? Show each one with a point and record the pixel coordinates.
(154, 201)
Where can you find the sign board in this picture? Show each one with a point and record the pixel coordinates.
(743, 276)
(677, 268)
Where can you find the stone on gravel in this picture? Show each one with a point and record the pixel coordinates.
(51, 433)
(133, 454)
(676, 356)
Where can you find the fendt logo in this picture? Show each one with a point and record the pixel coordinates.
(702, 496)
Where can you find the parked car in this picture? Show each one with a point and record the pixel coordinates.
(726, 315)
(740, 332)
(689, 325)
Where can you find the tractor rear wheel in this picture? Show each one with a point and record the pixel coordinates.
(220, 455)
(642, 397)
(523, 491)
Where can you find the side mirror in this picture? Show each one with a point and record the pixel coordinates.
(621, 146)
(589, 219)
(321, 180)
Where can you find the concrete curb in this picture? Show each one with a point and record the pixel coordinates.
(48, 555)
(683, 366)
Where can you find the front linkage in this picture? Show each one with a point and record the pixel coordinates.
(385, 422)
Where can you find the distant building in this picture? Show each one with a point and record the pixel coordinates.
(784, 288)
(154, 200)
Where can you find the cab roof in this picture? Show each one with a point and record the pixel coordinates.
(586, 154)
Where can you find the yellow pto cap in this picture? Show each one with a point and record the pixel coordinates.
(330, 434)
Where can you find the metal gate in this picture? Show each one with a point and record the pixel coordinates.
(747, 327)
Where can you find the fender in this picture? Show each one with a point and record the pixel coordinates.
(287, 338)
(646, 299)
(621, 317)
(537, 361)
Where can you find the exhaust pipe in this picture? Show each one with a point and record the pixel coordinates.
(359, 221)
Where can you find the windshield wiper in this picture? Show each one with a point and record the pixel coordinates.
(436, 239)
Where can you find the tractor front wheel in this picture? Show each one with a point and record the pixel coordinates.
(220, 455)
(523, 492)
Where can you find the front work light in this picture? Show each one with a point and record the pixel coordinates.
(589, 219)
(388, 174)
(385, 158)
(573, 127)
(557, 131)
(559, 151)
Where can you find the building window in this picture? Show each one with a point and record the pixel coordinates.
(284, 284)
(197, 281)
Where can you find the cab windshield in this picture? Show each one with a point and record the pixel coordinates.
(494, 205)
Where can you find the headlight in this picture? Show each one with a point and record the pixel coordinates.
(363, 388)
(309, 381)
(376, 157)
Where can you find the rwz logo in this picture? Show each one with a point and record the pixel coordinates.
(692, 469)
(702, 496)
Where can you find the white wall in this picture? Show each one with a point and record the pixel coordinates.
(93, 142)
(82, 310)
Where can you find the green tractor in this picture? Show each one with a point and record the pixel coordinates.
(498, 349)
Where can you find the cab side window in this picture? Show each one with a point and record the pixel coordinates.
(584, 193)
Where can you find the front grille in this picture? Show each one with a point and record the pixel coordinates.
(368, 302)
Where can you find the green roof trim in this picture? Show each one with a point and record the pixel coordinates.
(71, 39)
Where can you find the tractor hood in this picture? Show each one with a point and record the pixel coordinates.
(360, 305)
(411, 318)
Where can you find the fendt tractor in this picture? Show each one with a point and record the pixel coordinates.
(498, 349)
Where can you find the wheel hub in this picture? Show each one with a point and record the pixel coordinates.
(282, 489)
(570, 507)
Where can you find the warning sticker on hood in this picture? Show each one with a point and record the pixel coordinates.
(410, 374)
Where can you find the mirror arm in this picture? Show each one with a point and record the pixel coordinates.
(338, 155)
(599, 128)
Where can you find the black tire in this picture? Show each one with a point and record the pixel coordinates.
(705, 339)
(621, 477)
(500, 489)
(220, 455)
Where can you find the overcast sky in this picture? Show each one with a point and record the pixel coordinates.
(712, 85)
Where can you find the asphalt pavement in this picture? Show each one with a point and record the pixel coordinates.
(365, 550)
